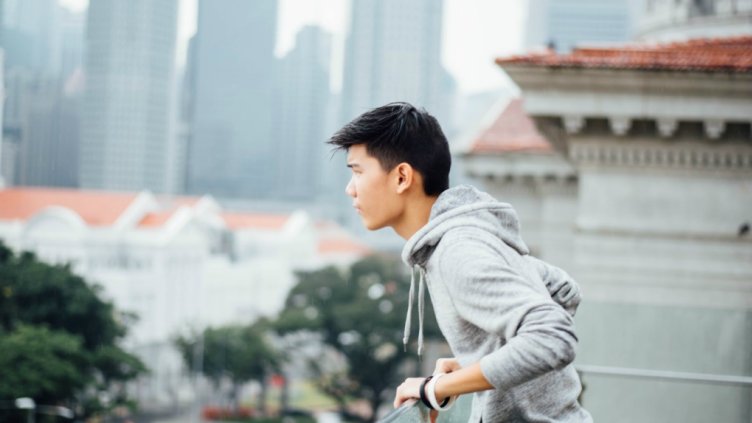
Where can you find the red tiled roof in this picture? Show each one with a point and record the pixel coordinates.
(256, 221)
(168, 208)
(95, 208)
(512, 130)
(325, 224)
(342, 245)
(104, 208)
(732, 54)
(153, 220)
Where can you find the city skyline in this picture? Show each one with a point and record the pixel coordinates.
(476, 32)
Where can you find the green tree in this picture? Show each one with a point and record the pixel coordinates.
(360, 315)
(238, 353)
(58, 338)
(42, 364)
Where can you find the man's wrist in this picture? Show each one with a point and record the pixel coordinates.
(439, 389)
(437, 403)
(422, 392)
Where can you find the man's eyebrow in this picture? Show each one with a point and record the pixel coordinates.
(352, 165)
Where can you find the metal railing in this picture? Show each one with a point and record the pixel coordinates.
(666, 375)
(414, 411)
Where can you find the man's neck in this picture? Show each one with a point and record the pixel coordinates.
(415, 217)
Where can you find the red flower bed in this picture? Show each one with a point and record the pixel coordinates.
(224, 413)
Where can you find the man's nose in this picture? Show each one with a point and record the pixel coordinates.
(350, 188)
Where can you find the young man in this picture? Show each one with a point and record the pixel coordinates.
(506, 315)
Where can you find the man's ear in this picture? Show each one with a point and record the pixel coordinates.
(405, 176)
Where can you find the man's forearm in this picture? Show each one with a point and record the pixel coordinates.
(463, 381)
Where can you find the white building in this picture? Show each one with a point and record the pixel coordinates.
(675, 20)
(653, 223)
(179, 263)
(518, 165)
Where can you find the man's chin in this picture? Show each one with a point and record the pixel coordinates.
(373, 226)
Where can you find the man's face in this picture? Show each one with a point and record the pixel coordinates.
(373, 190)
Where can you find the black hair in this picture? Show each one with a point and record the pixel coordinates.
(401, 133)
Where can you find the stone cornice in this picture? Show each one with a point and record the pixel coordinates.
(663, 81)
(542, 167)
(666, 155)
(626, 93)
(559, 129)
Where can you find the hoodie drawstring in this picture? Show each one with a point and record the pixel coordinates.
(408, 319)
(421, 308)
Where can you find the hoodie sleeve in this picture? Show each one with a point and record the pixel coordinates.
(562, 288)
(537, 335)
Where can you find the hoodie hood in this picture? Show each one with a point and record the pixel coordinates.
(461, 206)
(464, 206)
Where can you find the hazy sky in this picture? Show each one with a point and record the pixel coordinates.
(475, 32)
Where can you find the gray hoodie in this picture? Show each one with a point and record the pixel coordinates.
(497, 305)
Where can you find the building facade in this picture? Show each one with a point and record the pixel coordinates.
(41, 93)
(130, 67)
(301, 122)
(393, 53)
(231, 150)
(178, 263)
(656, 228)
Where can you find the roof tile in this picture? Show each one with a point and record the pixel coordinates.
(512, 130)
(733, 54)
(95, 208)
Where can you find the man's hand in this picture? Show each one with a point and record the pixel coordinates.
(446, 365)
(408, 390)
(410, 387)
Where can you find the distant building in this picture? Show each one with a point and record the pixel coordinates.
(32, 38)
(45, 127)
(565, 24)
(179, 263)
(393, 53)
(303, 100)
(671, 20)
(518, 165)
(636, 179)
(232, 152)
(6, 152)
(43, 84)
(72, 27)
(130, 68)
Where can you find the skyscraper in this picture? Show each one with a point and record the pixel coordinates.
(393, 53)
(5, 149)
(130, 66)
(564, 24)
(231, 151)
(48, 124)
(303, 100)
(31, 35)
(72, 32)
(42, 98)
